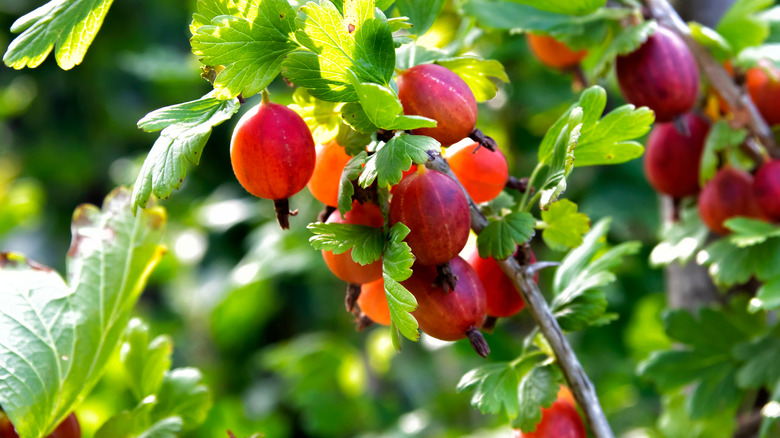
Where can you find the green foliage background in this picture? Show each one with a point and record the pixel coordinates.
(257, 310)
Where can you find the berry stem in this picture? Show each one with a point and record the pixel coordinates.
(362, 322)
(478, 342)
(353, 292)
(283, 213)
(522, 278)
(489, 324)
(519, 184)
(446, 279)
(485, 141)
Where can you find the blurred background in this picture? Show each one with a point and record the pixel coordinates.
(255, 308)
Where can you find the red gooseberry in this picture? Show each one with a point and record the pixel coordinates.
(482, 172)
(766, 187)
(763, 84)
(727, 195)
(273, 155)
(325, 180)
(561, 420)
(373, 302)
(436, 211)
(342, 264)
(501, 297)
(661, 74)
(433, 91)
(672, 159)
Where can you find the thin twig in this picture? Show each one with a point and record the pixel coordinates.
(738, 100)
(522, 278)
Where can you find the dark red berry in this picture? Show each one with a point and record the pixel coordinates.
(729, 194)
(763, 84)
(273, 155)
(672, 159)
(433, 91)
(766, 187)
(436, 211)
(342, 264)
(453, 315)
(561, 420)
(502, 299)
(661, 74)
(69, 428)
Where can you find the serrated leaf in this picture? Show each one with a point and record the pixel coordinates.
(579, 299)
(422, 13)
(479, 74)
(561, 161)
(335, 54)
(495, 388)
(350, 173)
(322, 118)
(500, 238)
(137, 424)
(352, 141)
(563, 226)
(383, 108)
(57, 337)
(145, 360)
(681, 239)
(387, 165)
(68, 27)
(354, 116)
(760, 368)
(398, 259)
(712, 40)
(749, 232)
(185, 129)
(251, 46)
(399, 23)
(610, 140)
(207, 10)
(720, 137)
(767, 296)
(743, 25)
(730, 264)
(365, 242)
(182, 395)
(396, 267)
(401, 303)
(538, 389)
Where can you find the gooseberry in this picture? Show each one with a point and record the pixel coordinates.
(561, 420)
(672, 159)
(482, 172)
(554, 53)
(342, 265)
(728, 194)
(324, 182)
(373, 302)
(766, 187)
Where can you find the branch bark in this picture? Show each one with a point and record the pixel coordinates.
(522, 277)
(737, 99)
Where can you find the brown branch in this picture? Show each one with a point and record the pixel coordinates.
(522, 277)
(737, 99)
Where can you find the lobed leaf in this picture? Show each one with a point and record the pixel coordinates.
(365, 242)
(563, 226)
(495, 388)
(145, 361)
(743, 25)
(387, 165)
(500, 238)
(396, 267)
(538, 389)
(185, 129)
(731, 264)
(350, 173)
(68, 27)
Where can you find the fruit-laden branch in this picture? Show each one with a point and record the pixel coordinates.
(738, 100)
(522, 278)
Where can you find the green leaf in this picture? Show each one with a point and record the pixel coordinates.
(365, 242)
(354, 116)
(145, 361)
(207, 10)
(409, 55)
(387, 165)
(767, 296)
(396, 267)
(579, 299)
(500, 238)
(563, 226)
(681, 239)
(761, 358)
(399, 23)
(754, 56)
(538, 389)
(251, 46)
(138, 424)
(495, 388)
(422, 13)
(720, 137)
(352, 141)
(749, 232)
(322, 118)
(742, 25)
(479, 74)
(68, 27)
(57, 337)
(562, 160)
(335, 54)
(185, 129)
(730, 264)
(183, 395)
(567, 7)
(350, 173)
(712, 40)
(383, 108)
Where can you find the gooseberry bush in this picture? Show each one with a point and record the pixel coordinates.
(385, 132)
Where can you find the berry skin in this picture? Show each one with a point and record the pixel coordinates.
(342, 264)
(554, 53)
(728, 194)
(273, 155)
(672, 160)
(448, 316)
(373, 302)
(324, 182)
(482, 173)
(561, 420)
(766, 187)
(436, 211)
(433, 91)
(661, 74)
(764, 89)
(502, 299)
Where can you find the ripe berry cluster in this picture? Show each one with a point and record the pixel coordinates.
(274, 157)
